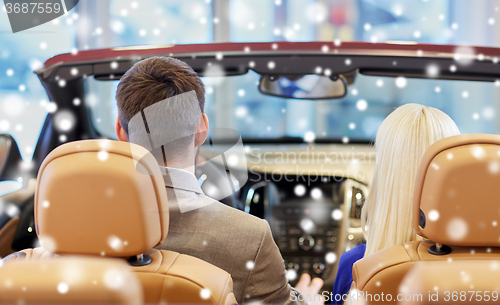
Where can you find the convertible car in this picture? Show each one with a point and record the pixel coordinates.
(292, 128)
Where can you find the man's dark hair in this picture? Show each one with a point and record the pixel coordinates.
(152, 80)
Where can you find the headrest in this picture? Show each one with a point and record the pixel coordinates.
(67, 280)
(100, 197)
(457, 191)
(456, 282)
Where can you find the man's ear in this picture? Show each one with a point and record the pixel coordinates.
(201, 131)
(121, 135)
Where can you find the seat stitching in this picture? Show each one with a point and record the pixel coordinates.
(418, 247)
(190, 280)
(225, 285)
(385, 269)
(463, 258)
(173, 262)
(407, 252)
(395, 264)
(161, 262)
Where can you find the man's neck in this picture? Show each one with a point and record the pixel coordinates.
(185, 161)
(182, 165)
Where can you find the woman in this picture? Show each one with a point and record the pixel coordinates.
(386, 217)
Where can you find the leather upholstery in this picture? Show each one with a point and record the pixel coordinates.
(384, 270)
(184, 279)
(458, 181)
(97, 189)
(476, 282)
(67, 280)
(170, 278)
(90, 199)
(458, 178)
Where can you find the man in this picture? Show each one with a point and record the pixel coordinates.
(162, 97)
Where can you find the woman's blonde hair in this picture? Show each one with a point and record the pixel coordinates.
(401, 141)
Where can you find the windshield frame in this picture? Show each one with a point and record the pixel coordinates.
(236, 58)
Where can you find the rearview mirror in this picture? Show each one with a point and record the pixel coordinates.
(310, 86)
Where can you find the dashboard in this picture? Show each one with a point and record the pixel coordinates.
(313, 209)
(306, 216)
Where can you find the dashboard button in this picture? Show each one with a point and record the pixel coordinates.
(306, 242)
(293, 266)
(319, 245)
(332, 239)
(318, 268)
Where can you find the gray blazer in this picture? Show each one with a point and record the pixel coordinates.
(237, 242)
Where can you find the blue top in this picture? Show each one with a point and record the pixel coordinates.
(343, 280)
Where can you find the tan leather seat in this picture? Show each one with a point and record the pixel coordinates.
(68, 280)
(107, 198)
(458, 282)
(455, 205)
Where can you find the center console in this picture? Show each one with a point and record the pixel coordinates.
(306, 215)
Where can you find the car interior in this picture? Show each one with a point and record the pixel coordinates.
(309, 187)
(454, 172)
(110, 176)
(92, 280)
